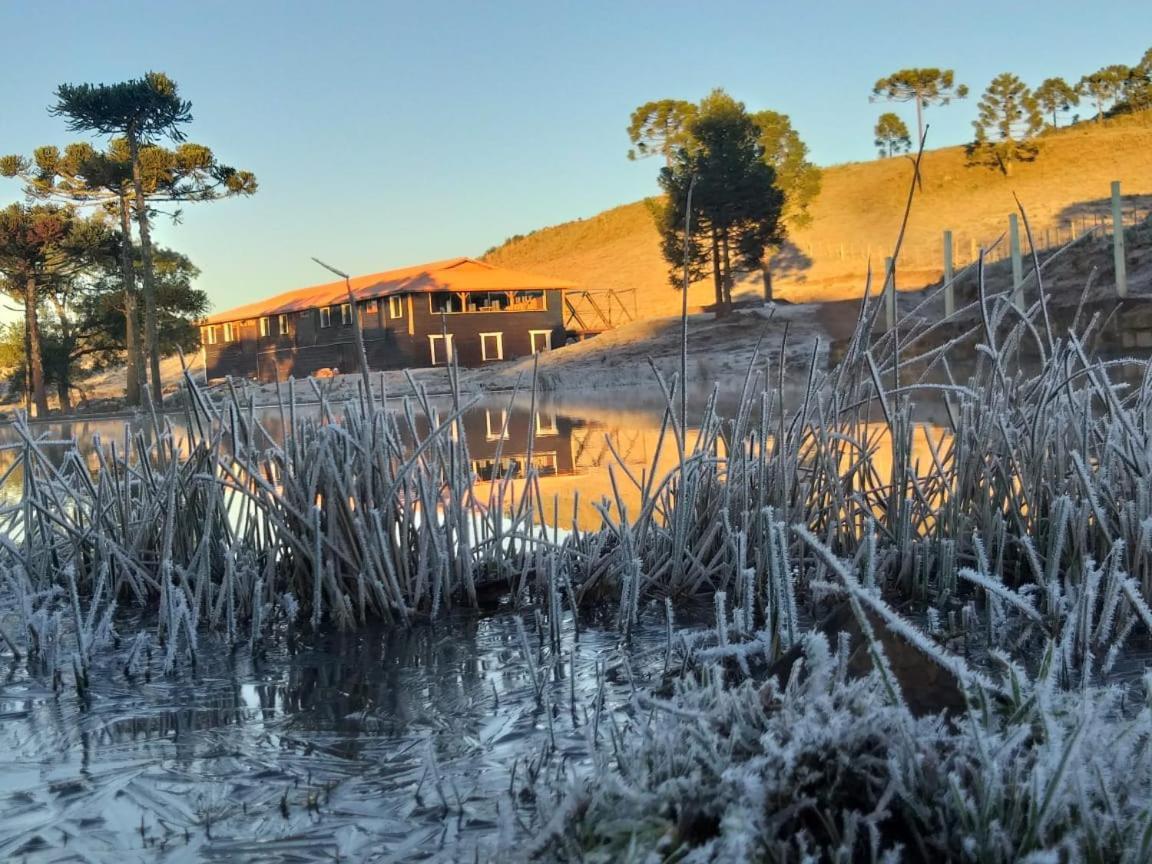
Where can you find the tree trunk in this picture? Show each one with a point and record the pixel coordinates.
(919, 121)
(132, 352)
(34, 348)
(64, 376)
(64, 391)
(726, 258)
(717, 276)
(766, 272)
(151, 320)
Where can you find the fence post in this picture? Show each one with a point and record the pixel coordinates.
(949, 289)
(1118, 242)
(1017, 261)
(889, 293)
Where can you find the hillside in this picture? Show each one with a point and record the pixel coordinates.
(857, 217)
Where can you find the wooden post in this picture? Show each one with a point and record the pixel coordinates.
(1118, 242)
(889, 293)
(1017, 261)
(949, 273)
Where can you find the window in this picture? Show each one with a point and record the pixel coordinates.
(445, 301)
(540, 340)
(450, 302)
(495, 424)
(325, 317)
(441, 353)
(209, 335)
(546, 425)
(528, 301)
(492, 346)
(371, 308)
(283, 325)
(488, 301)
(263, 327)
(395, 307)
(345, 314)
(229, 332)
(546, 464)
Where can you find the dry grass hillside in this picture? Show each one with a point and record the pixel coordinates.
(857, 216)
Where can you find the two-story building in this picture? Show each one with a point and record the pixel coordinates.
(412, 317)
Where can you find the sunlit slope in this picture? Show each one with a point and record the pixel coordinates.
(857, 219)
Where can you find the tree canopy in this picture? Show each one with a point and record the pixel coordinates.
(1104, 86)
(891, 135)
(736, 203)
(659, 128)
(923, 86)
(797, 178)
(141, 109)
(1009, 119)
(43, 249)
(1055, 95)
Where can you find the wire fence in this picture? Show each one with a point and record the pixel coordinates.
(966, 247)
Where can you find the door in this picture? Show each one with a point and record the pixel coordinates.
(540, 340)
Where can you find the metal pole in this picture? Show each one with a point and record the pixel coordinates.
(889, 293)
(1017, 261)
(1118, 242)
(949, 272)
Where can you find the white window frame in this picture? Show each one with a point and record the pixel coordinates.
(229, 332)
(282, 325)
(548, 431)
(209, 335)
(493, 432)
(264, 326)
(499, 346)
(450, 351)
(547, 334)
(325, 317)
(345, 314)
(396, 306)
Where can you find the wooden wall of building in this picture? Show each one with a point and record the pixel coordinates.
(390, 342)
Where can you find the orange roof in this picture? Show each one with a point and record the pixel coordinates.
(453, 274)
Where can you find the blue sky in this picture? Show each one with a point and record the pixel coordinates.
(386, 134)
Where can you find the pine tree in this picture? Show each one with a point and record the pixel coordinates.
(736, 204)
(1104, 86)
(1009, 119)
(140, 111)
(1056, 95)
(928, 86)
(891, 135)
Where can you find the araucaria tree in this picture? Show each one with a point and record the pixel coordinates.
(1104, 86)
(659, 128)
(140, 111)
(924, 87)
(891, 135)
(44, 247)
(736, 204)
(1055, 95)
(104, 179)
(1008, 122)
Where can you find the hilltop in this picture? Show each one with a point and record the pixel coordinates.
(857, 215)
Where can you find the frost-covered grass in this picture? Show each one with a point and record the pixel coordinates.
(831, 768)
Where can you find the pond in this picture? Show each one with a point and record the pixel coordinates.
(381, 745)
(385, 744)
